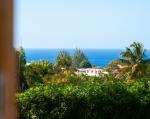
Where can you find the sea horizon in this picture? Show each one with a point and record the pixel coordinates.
(98, 57)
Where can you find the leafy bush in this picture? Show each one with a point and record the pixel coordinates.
(94, 98)
(39, 72)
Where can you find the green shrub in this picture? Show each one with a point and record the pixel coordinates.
(94, 98)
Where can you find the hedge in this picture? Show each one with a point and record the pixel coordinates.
(92, 99)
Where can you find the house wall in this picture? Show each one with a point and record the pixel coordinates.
(92, 71)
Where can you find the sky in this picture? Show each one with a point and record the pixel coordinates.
(93, 24)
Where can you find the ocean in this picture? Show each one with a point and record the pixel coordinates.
(98, 57)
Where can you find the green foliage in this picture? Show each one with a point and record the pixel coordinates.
(80, 60)
(85, 64)
(53, 94)
(132, 63)
(36, 72)
(148, 71)
(87, 98)
(134, 60)
(21, 59)
(64, 60)
(113, 65)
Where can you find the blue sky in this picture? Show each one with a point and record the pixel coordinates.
(98, 24)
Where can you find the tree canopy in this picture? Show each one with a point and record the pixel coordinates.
(80, 60)
(64, 60)
(37, 71)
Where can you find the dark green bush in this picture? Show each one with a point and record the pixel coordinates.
(92, 99)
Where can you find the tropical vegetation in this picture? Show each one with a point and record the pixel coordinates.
(54, 91)
(87, 98)
(80, 60)
(133, 62)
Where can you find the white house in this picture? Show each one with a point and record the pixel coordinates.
(96, 71)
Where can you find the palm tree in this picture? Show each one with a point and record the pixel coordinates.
(133, 62)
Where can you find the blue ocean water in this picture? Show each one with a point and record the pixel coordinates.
(97, 57)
